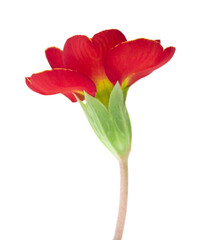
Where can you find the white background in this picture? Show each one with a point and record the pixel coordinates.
(57, 181)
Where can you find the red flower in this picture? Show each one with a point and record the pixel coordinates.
(95, 65)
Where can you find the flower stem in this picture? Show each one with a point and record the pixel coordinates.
(123, 199)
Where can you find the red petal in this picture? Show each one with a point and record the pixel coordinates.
(133, 60)
(32, 87)
(87, 55)
(61, 81)
(68, 95)
(71, 97)
(55, 57)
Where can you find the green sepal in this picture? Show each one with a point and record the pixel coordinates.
(112, 125)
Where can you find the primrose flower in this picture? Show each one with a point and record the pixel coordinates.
(94, 65)
(100, 70)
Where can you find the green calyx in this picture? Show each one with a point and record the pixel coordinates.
(111, 125)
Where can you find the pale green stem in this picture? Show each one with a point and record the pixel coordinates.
(123, 199)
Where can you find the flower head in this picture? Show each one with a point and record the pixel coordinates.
(95, 65)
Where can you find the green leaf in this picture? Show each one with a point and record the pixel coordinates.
(112, 125)
(120, 118)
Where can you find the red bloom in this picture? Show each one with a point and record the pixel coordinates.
(95, 65)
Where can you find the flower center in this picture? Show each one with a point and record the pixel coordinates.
(104, 88)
